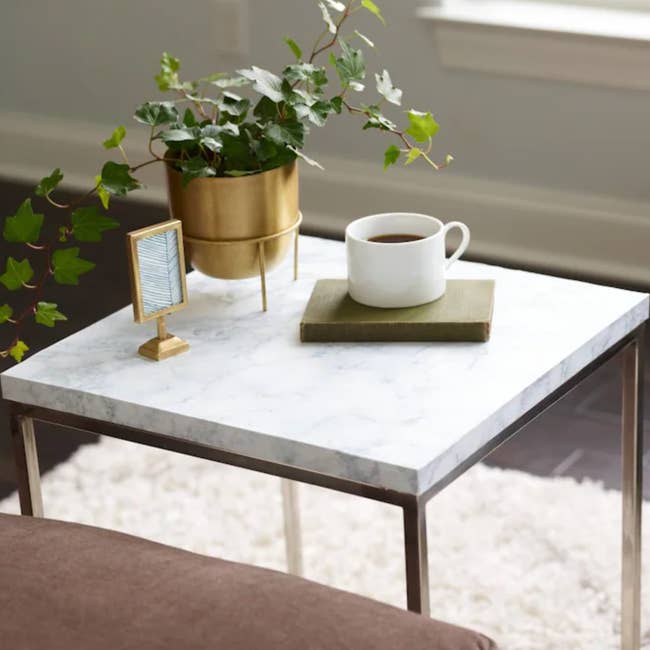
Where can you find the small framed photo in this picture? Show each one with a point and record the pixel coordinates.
(157, 266)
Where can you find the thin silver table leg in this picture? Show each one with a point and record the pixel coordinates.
(27, 472)
(632, 448)
(417, 561)
(292, 536)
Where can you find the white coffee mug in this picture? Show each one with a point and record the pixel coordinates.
(406, 274)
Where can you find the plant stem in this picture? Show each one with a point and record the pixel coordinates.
(318, 50)
(402, 136)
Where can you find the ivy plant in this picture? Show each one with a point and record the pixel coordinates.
(222, 125)
(256, 120)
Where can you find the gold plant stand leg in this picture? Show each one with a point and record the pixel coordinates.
(260, 248)
(295, 254)
(260, 241)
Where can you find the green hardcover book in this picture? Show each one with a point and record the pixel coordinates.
(464, 313)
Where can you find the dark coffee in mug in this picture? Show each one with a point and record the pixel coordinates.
(394, 238)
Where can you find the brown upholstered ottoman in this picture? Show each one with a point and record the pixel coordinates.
(66, 587)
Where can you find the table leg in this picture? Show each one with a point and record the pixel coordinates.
(632, 451)
(27, 472)
(292, 536)
(417, 561)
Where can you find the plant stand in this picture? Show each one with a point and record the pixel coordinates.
(260, 241)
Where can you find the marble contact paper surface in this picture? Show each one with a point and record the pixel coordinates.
(401, 416)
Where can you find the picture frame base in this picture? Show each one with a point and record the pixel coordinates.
(158, 349)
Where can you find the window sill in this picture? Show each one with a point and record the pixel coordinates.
(571, 43)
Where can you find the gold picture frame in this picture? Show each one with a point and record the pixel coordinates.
(148, 303)
(133, 238)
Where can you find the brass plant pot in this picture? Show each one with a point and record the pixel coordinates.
(232, 209)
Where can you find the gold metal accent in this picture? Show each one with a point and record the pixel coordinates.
(238, 210)
(132, 239)
(632, 453)
(164, 345)
(260, 246)
(261, 250)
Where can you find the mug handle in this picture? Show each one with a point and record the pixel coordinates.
(464, 242)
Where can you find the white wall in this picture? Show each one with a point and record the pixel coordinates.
(549, 173)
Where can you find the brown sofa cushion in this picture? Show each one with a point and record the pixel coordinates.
(66, 587)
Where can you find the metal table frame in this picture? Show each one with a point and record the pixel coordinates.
(415, 535)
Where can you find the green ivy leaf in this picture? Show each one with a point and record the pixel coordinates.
(413, 155)
(314, 74)
(88, 224)
(266, 110)
(16, 274)
(337, 104)
(373, 9)
(116, 138)
(17, 351)
(287, 133)
(234, 105)
(6, 312)
(283, 156)
(117, 180)
(103, 194)
(196, 168)
(377, 120)
(237, 153)
(306, 158)
(25, 226)
(317, 113)
(167, 78)
(156, 113)
(386, 89)
(327, 17)
(47, 314)
(47, 184)
(351, 67)
(423, 126)
(178, 135)
(68, 266)
(189, 119)
(231, 82)
(294, 47)
(211, 144)
(391, 156)
(264, 149)
(264, 82)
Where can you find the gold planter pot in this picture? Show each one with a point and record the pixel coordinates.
(218, 210)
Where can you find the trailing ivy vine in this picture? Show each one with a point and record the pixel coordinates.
(209, 130)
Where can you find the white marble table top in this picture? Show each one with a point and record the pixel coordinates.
(398, 415)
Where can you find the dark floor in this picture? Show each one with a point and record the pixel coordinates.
(578, 436)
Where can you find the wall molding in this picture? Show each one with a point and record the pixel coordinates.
(577, 234)
(544, 40)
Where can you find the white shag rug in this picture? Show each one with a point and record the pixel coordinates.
(533, 562)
